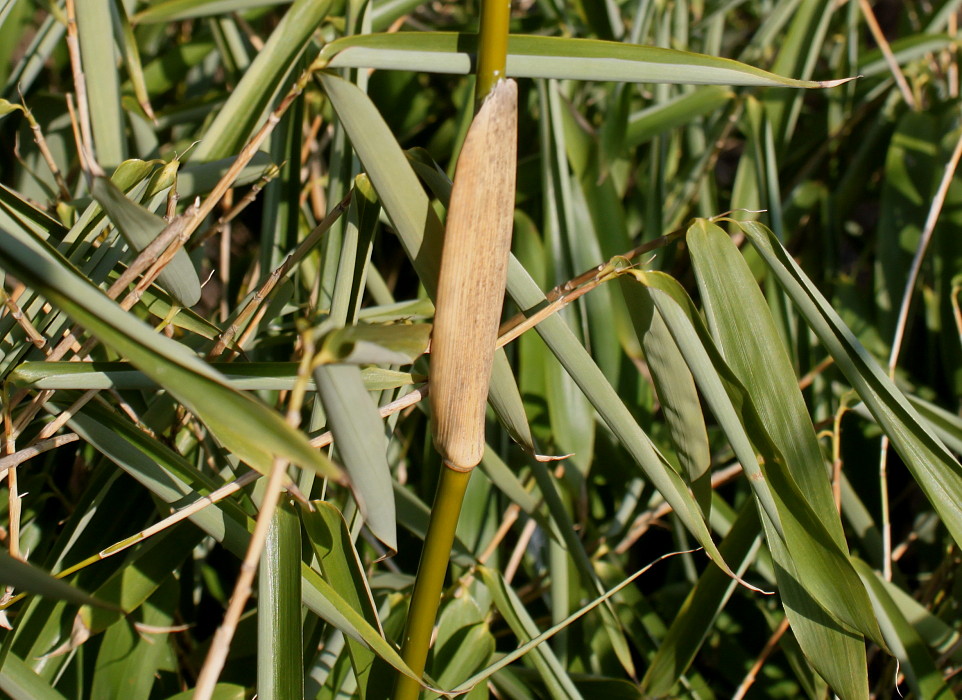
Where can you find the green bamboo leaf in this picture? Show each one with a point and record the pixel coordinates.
(398, 189)
(817, 571)
(676, 391)
(550, 57)
(341, 567)
(570, 548)
(140, 227)
(20, 574)
(280, 645)
(175, 10)
(245, 426)
(937, 634)
(915, 661)
(20, 682)
(167, 475)
(576, 360)
(49, 38)
(798, 52)
(103, 81)
(248, 101)
(129, 587)
(463, 644)
(246, 376)
(361, 444)
(664, 116)
(904, 50)
(16, 212)
(124, 36)
(931, 464)
(385, 344)
(739, 318)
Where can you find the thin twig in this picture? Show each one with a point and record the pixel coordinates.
(37, 448)
(883, 44)
(289, 263)
(33, 335)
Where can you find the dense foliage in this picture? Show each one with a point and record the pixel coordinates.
(732, 349)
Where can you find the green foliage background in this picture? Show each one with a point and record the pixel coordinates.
(725, 252)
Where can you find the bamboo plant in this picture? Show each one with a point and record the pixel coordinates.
(720, 362)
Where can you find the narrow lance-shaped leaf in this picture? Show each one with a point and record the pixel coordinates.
(140, 227)
(103, 83)
(341, 566)
(550, 57)
(823, 568)
(931, 464)
(361, 445)
(742, 324)
(236, 120)
(22, 575)
(248, 376)
(676, 391)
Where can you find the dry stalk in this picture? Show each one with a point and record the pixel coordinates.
(890, 59)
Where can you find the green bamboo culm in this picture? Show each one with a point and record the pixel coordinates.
(468, 307)
(492, 47)
(430, 578)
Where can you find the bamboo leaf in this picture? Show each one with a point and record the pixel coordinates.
(140, 227)
(103, 82)
(20, 682)
(174, 10)
(20, 574)
(245, 376)
(705, 601)
(130, 660)
(341, 566)
(676, 391)
(743, 326)
(550, 57)
(933, 467)
(361, 443)
(386, 344)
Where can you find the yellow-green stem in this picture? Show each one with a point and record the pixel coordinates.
(492, 46)
(430, 578)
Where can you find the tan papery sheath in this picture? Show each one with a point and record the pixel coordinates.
(474, 266)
